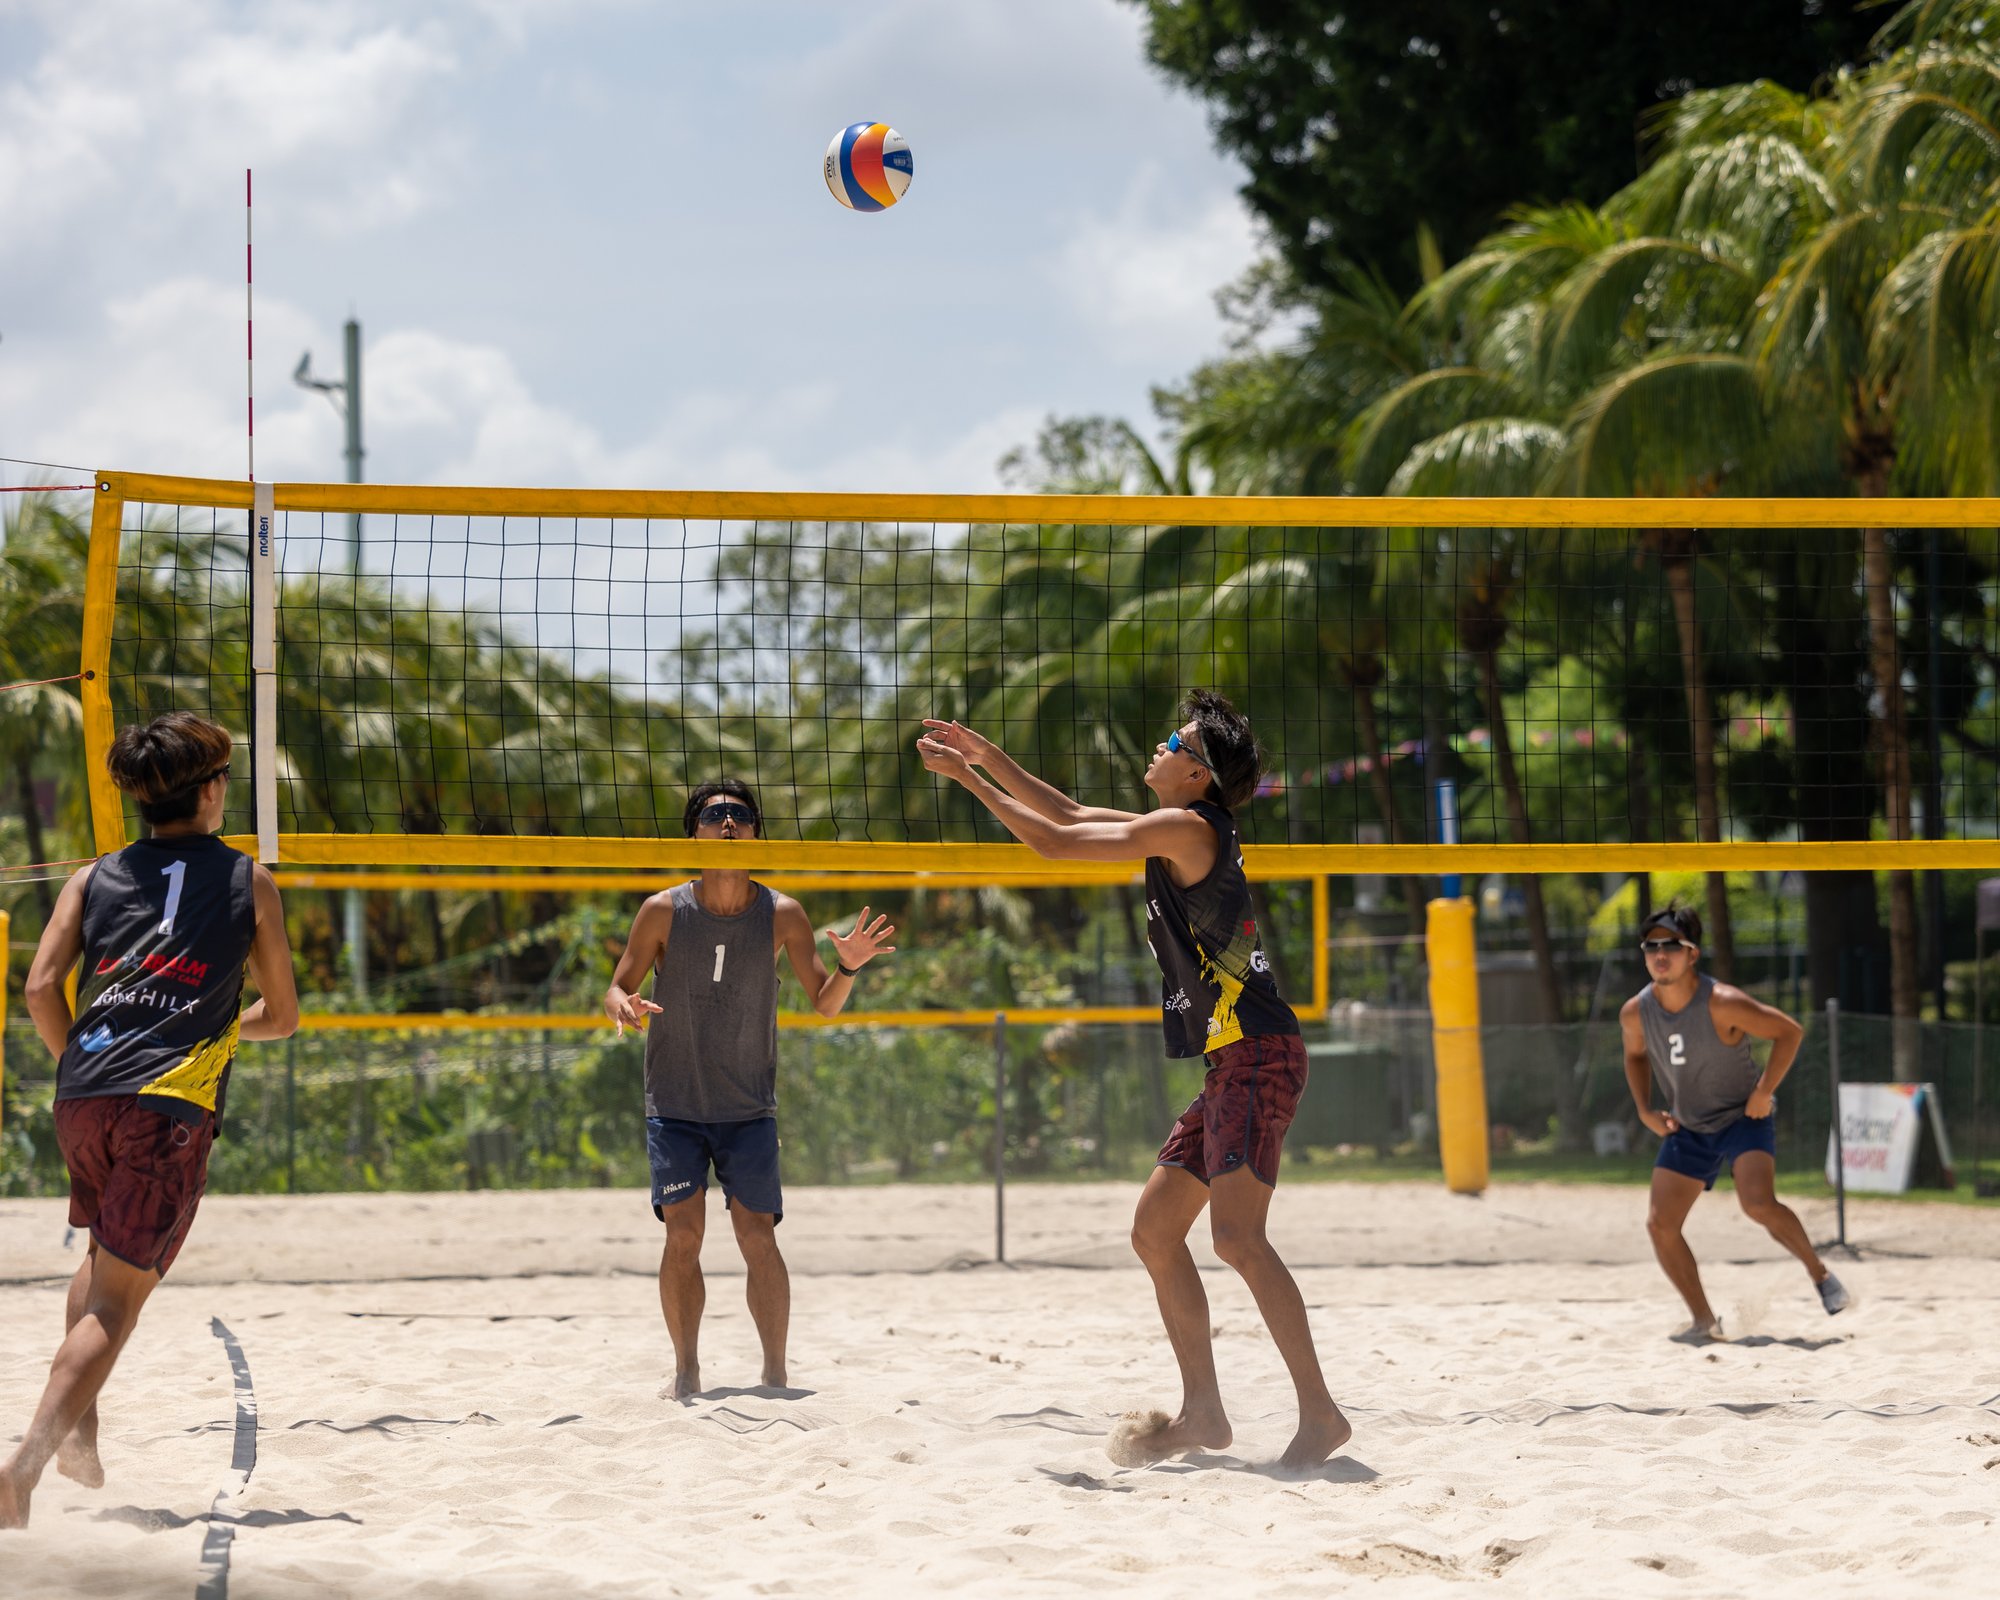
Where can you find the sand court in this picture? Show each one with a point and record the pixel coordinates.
(457, 1395)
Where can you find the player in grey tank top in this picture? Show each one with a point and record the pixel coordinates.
(711, 1064)
(1695, 1034)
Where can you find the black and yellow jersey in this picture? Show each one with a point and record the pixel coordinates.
(167, 928)
(1216, 983)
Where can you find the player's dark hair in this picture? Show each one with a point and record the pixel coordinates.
(1683, 922)
(724, 788)
(1235, 759)
(163, 763)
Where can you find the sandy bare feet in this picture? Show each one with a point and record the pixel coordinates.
(1709, 1332)
(1320, 1434)
(13, 1501)
(774, 1378)
(686, 1385)
(1140, 1438)
(78, 1461)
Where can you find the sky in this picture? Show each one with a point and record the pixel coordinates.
(589, 242)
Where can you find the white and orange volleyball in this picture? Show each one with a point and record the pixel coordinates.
(868, 166)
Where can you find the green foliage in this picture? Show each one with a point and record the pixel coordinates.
(1359, 124)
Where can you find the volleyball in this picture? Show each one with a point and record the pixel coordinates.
(868, 166)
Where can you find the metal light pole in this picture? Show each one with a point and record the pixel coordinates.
(346, 398)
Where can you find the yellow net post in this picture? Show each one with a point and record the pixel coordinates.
(1461, 1069)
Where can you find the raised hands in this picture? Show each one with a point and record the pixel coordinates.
(868, 940)
(974, 747)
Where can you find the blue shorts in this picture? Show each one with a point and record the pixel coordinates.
(744, 1154)
(1706, 1155)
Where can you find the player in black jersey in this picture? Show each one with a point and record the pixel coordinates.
(164, 929)
(1218, 1000)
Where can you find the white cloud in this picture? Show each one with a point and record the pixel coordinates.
(585, 238)
(1144, 279)
(160, 386)
(327, 90)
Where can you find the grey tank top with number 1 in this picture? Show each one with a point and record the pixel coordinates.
(1707, 1081)
(712, 1052)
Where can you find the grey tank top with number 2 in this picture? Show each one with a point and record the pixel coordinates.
(1707, 1082)
(712, 1052)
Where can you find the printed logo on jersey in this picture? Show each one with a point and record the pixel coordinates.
(96, 1039)
(1177, 1001)
(181, 969)
(1259, 962)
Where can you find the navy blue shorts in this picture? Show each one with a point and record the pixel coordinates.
(1707, 1155)
(744, 1155)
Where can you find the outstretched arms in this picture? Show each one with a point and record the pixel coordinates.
(1044, 799)
(1175, 833)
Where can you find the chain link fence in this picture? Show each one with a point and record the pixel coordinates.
(519, 1108)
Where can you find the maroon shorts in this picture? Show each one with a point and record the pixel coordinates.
(1245, 1105)
(135, 1176)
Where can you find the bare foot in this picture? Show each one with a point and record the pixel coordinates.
(774, 1378)
(77, 1460)
(13, 1501)
(1320, 1434)
(1700, 1331)
(686, 1385)
(1142, 1437)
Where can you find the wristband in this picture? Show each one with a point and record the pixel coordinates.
(846, 971)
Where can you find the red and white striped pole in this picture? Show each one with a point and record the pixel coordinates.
(249, 337)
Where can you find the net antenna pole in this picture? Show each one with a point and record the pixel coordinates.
(264, 668)
(249, 340)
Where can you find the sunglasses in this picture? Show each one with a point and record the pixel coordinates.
(1176, 744)
(210, 777)
(728, 811)
(1660, 947)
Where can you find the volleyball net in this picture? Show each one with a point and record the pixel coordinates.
(438, 677)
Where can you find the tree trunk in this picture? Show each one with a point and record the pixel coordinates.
(1517, 818)
(1721, 944)
(1892, 734)
(31, 828)
(1385, 799)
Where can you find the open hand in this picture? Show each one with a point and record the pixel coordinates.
(630, 1011)
(868, 940)
(944, 759)
(975, 747)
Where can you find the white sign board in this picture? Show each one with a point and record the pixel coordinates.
(1881, 1125)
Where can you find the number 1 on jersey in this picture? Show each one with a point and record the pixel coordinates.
(176, 876)
(720, 951)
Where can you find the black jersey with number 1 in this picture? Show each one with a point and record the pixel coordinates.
(167, 928)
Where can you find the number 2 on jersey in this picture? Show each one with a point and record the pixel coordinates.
(1676, 1050)
(720, 951)
(176, 876)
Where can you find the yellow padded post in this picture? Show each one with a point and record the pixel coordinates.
(1461, 1069)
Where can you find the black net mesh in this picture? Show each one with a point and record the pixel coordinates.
(539, 676)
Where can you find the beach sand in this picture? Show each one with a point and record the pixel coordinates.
(457, 1395)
